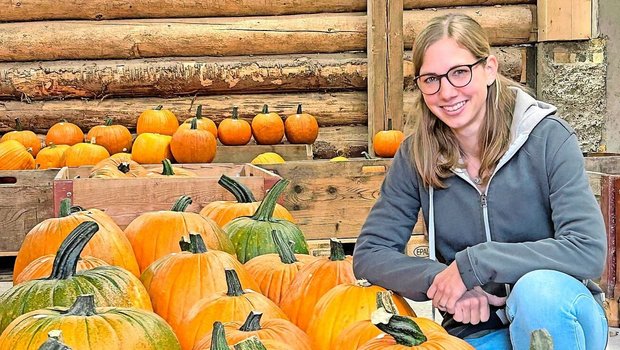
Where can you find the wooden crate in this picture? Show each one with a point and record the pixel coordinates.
(25, 200)
(125, 199)
(417, 246)
(332, 199)
(245, 154)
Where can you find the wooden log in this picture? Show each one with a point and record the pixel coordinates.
(34, 10)
(169, 77)
(315, 33)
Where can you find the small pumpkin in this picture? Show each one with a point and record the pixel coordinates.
(222, 212)
(51, 157)
(404, 333)
(193, 145)
(301, 127)
(85, 327)
(339, 159)
(64, 133)
(151, 148)
(251, 235)
(15, 156)
(112, 286)
(385, 143)
(234, 304)
(202, 123)
(313, 281)
(158, 121)
(114, 138)
(156, 234)
(268, 158)
(42, 267)
(167, 170)
(85, 154)
(29, 139)
(117, 166)
(267, 128)
(234, 131)
(177, 281)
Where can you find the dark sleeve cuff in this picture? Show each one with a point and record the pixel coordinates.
(466, 269)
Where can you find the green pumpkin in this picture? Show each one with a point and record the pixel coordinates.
(111, 285)
(251, 235)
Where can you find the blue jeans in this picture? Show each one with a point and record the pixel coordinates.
(554, 301)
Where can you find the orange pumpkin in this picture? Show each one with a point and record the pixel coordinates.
(115, 138)
(41, 267)
(275, 272)
(197, 273)
(275, 329)
(301, 127)
(385, 143)
(157, 121)
(117, 166)
(267, 128)
(64, 133)
(150, 148)
(84, 154)
(404, 333)
(223, 212)
(109, 244)
(156, 234)
(167, 170)
(234, 304)
(234, 131)
(356, 301)
(313, 281)
(15, 156)
(51, 157)
(192, 145)
(202, 123)
(26, 137)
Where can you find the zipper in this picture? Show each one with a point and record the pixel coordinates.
(485, 216)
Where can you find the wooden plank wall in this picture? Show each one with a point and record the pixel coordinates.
(82, 63)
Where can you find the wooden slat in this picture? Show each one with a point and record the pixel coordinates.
(564, 20)
(54, 40)
(395, 50)
(245, 154)
(30, 10)
(377, 67)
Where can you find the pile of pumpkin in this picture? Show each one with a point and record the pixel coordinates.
(159, 136)
(237, 273)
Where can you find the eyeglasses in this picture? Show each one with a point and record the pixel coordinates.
(459, 76)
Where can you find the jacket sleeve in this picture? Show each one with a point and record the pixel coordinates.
(579, 245)
(379, 252)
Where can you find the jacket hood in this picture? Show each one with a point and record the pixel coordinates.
(528, 112)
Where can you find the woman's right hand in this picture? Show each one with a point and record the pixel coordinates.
(474, 306)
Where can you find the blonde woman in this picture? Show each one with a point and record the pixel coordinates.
(515, 232)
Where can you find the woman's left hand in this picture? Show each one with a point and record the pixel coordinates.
(447, 288)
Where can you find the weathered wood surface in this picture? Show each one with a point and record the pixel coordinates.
(314, 33)
(245, 153)
(32, 10)
(25, 200)
(170, 77)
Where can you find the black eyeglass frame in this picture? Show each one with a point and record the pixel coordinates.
(440, 76)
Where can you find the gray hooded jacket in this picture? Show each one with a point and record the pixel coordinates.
(537, 212)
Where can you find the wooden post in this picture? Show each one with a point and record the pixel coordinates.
(385, 70)
(564, 20)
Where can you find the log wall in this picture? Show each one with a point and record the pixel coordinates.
(85, 61)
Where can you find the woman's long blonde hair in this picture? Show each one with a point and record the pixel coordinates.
(435, 148)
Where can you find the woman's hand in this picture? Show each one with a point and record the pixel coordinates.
(447, 288)
(473, 307)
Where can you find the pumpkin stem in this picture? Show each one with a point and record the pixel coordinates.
(240, 191)
(233, 283)
(76, 209)
(299, 108)
(196, 244)
(199, 112)
(65, 208)
(285, 251)
(252, 322)
(385, 301)
(182, 203)
(218, 337)
(366, 155)
(235, 113)
(68, 254)
(193, 124)
(336, 250)
(84, 306)
(158, 108)
(18, 125)
(540, 339)
(264, 212)
(167, 169)
(108, 121)
(123, 167)
(265, 109)
(53, 341)
(404, 330)
(389, 126)
(251, 343)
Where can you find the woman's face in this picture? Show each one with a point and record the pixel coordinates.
(463, 108)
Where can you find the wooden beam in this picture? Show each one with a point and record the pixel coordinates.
(36, 10)
(320, 33)
(395, 50)
(564, 20)
(377, 67)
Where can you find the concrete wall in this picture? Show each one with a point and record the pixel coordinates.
(609, 13)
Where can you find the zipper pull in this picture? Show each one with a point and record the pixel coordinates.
(483, 200)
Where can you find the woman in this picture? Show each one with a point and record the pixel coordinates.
(515, 233)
